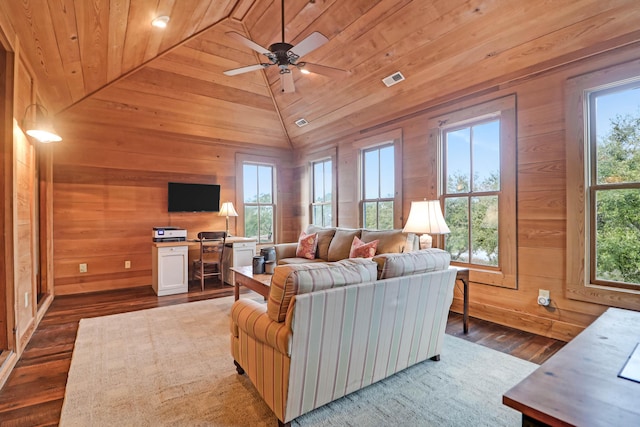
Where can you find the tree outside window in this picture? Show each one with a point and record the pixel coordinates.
(321, 205)
(472, 191)
(614, 185)
(378, 182)
(259, 203)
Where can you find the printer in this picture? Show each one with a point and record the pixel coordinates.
(169, 234)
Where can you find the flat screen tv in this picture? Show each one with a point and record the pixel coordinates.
(185, 197)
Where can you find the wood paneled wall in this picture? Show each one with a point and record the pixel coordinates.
(541, 207)
(110, 190)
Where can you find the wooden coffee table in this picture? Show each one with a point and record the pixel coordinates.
(244, 276)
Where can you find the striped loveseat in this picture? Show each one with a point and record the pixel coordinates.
(329, 329)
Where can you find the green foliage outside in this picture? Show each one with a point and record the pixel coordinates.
(258, 219)
(618, 210)
(378, 215)
(484, 222)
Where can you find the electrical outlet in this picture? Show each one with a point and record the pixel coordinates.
(543, 297)
(83, 268)
(26, 299)
(127, 264)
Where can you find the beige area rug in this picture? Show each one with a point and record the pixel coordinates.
(171, 366)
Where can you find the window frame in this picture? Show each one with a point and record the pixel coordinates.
(241, 161)
(591, 180)
(326, 157)
(505, 274)
(390, 138)
(580, 242)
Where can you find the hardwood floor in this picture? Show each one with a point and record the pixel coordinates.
(34, 392)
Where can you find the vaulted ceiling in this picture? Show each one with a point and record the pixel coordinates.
(101, 62)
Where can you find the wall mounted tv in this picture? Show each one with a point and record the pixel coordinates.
(185, 197)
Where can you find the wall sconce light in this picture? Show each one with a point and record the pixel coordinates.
(425, 218)
(38, 124)
(227, 210)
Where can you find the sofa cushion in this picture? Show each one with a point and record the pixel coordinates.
(290, 280)
(325, 235)
(298, 260)
(341, 244)
(360, 249)
(422, 261)
(307, 244)
(390, 241)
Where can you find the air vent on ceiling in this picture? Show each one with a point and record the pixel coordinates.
(394, 78)
(301, 122)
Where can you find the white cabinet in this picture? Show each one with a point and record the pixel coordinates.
(170, 268)
(238, 251)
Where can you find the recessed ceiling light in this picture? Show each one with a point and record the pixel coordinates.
(160, 21)
(305, 71)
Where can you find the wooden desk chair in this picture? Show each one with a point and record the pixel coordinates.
(210, 261)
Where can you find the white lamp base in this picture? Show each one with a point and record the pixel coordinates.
(426, 241)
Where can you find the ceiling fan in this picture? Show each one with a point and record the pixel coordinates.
(286, 55)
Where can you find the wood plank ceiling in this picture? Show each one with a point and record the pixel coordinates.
(101, 62)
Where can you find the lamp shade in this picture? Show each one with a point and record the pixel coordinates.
(426, 217)
(227, 209)
(39, 125)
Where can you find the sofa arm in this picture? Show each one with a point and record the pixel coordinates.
(250, 317)
(286, 250)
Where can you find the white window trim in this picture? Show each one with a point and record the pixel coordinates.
(329, 154)
(505, 108)
(241, 159)
(578, 281)
(391, 137)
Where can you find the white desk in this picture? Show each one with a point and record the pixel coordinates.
(238, 252)
(170, 272)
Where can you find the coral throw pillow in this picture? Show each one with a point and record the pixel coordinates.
(307, 244)
(360, 249)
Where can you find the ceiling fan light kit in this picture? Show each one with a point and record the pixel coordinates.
(286, 55)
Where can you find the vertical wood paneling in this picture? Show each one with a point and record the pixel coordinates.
(6, 177)
(24, 214)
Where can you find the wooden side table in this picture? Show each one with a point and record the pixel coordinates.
(463, 276)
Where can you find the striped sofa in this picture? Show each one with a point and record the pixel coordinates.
(329, 329)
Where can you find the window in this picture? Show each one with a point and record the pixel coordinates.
(258, 201)
(472, 191)
(378, 187)
(614, 185)
(322, 193)
(603, 186)
(478, 189)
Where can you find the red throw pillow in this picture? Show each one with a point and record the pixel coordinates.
(307, 244)
(359, 249)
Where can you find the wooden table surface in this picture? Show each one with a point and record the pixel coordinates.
(579, 385)
(256, 282)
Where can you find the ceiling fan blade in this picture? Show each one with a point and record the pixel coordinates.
(249, 43)
(286, 80)
(246, 69)
(335, 73)
(311, 42)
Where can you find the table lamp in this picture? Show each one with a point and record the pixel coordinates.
(227, 210)
(425, 218)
